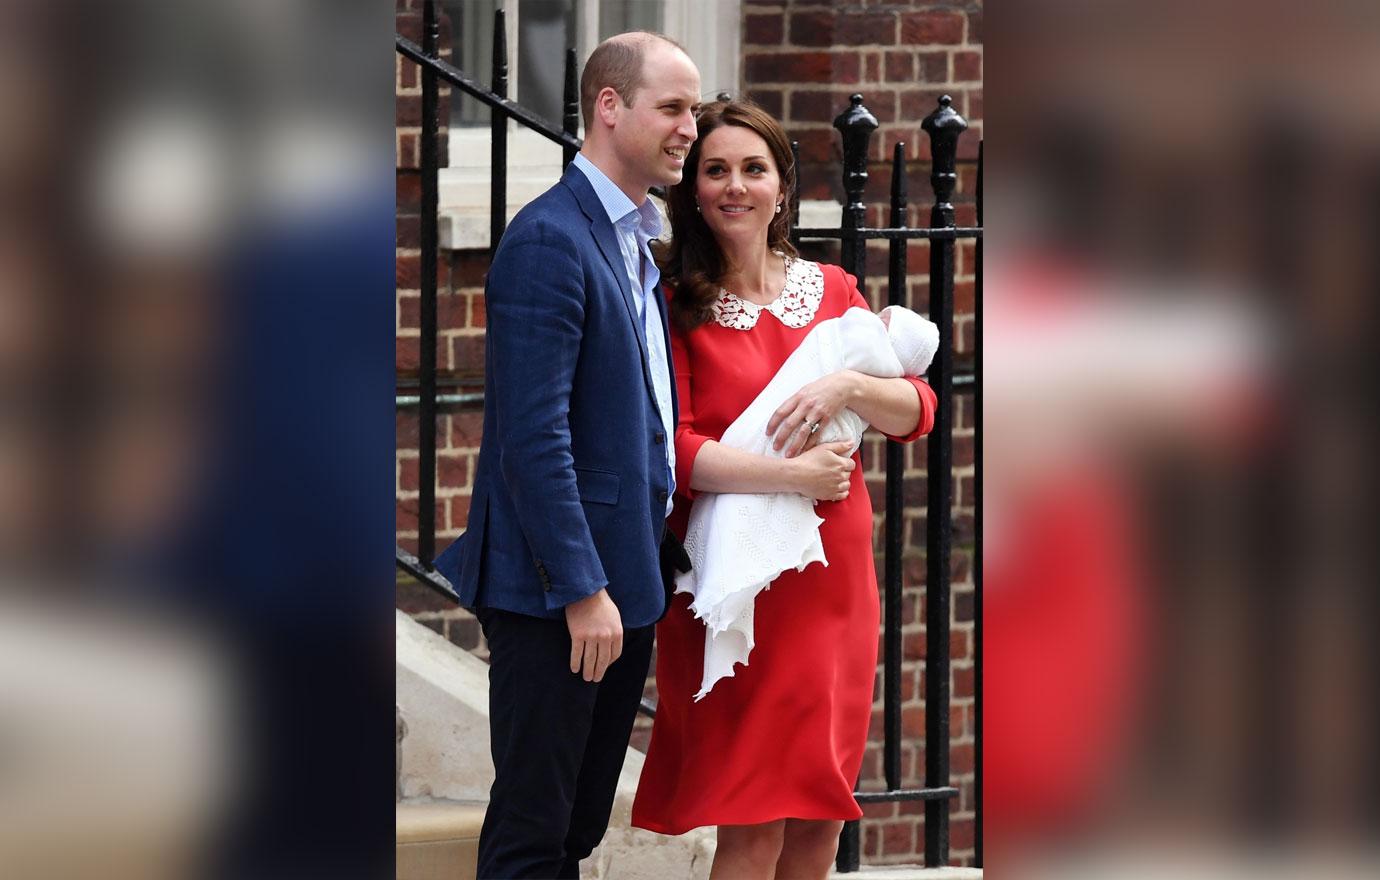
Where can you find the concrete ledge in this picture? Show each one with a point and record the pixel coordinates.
(437, 840)
(430, 821)
(909, 872)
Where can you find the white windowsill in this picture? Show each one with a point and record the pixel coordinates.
(467, 228)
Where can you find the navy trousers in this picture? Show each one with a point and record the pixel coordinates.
(558, 745)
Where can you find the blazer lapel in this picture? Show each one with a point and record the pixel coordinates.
(601, 228)
(666, 336)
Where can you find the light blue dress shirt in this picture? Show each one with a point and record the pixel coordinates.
(634, 227)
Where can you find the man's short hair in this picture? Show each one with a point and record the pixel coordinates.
(617, 64)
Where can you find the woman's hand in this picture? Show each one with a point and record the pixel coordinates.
(797, 421)
(823, 473)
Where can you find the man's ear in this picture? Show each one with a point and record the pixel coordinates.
(606, 105)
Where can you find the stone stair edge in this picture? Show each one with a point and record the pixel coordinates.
(433, 820)
(909, 872)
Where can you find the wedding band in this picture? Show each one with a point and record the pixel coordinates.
(814, 427)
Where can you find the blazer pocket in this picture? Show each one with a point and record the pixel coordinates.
(598, 486)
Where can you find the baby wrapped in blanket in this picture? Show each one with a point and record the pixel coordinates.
(739, 543)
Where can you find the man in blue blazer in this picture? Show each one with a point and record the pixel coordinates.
(560, 558)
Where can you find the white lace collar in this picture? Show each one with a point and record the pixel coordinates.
(795, 307)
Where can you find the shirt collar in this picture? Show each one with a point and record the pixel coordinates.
(616, 202)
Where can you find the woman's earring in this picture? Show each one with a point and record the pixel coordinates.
(778, 207)
(697, 207)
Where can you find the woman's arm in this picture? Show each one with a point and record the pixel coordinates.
(822, 473)
(889, 405)
(720, 468)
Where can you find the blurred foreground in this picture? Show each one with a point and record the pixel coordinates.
(1178, 440)
(196, 467)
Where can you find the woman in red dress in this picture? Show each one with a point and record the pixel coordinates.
(771, 754)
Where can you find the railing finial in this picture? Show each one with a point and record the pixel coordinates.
(856, 124)
(944, 126)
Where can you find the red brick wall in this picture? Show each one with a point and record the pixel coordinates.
(801, 60)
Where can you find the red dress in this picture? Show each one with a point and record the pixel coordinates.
(784, 737)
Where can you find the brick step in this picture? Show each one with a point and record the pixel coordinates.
(437, 840)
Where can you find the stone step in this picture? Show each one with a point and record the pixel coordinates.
(444, 772)
(437, 839)
(909, 872)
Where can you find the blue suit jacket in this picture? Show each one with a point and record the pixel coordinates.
(570, 492)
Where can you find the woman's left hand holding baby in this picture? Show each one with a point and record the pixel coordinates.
(797, 422)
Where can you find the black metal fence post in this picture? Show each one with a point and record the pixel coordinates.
(943, 126)
(426, 429)
(895, 454)
(570, 108)
(977, 528)
(856, 124)
(498, 148)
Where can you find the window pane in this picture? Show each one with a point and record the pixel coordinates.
(617, 16)
(546, 28)
(472, 37)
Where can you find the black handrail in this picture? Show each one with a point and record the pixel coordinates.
(457, 77)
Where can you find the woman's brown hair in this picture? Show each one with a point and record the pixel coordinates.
(692, 264)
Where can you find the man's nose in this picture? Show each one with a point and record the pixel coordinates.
(687, 128)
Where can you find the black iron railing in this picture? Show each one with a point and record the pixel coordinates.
(433, 69)
(856, 125)
(977, 530)
(943, 126)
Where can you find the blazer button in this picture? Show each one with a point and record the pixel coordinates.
(662, 496)
(658, 438)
